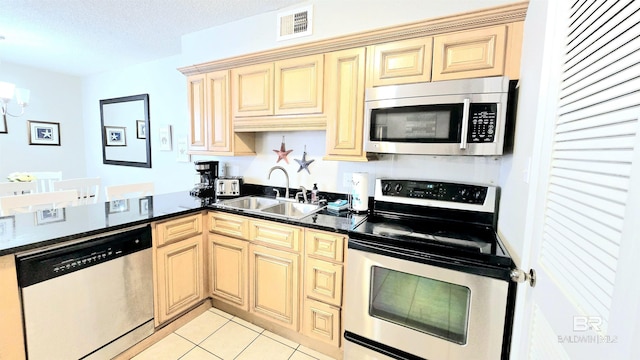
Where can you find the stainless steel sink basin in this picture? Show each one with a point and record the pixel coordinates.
(271, 207)
(250, 203)
(292, 210)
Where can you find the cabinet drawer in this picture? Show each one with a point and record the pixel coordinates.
(321, 322)
(328, 246)
(229, 224)
(323, 281)
(284, 236)
(182, 228)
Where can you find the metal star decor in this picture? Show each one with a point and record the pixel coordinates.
(304, 164)
(282, 153)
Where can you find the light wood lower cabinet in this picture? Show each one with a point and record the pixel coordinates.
(179, 276)
(322, 322)
(229, 270)
(11, 329)
(275, 285)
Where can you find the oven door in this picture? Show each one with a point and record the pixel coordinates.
(420, 309)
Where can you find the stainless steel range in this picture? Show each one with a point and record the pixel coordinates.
(428, 278)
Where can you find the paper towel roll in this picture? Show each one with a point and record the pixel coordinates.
(359, 191)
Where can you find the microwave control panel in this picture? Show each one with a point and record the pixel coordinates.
(482, 123)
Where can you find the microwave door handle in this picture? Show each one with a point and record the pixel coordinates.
(465, 124)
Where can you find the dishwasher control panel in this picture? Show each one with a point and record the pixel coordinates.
(36, 267)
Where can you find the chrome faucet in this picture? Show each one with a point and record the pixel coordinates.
(303, 193)
(286, 194)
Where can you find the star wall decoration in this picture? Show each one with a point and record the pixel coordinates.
(282, 153)
(304, 164)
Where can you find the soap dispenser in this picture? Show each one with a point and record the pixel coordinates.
(314, 194)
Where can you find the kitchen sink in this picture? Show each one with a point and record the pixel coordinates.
(292, 210)
(250, 203)
(271, 207)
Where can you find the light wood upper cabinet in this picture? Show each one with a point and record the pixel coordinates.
(210, 126)
(298, 85)
(401, 62)
(275, 285)
(229, 270)
(468, 54)
(344, 92)
(179, 277)
(252, 90)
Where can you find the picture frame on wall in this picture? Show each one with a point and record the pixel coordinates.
(117, 206)
(141, 129)
(7, 227)
(115, 136)
(165, 138)
(43, 133)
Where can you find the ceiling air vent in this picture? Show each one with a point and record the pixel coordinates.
(295, 23)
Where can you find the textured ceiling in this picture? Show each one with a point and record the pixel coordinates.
(82, 37)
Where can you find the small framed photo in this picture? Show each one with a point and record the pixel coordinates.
(115, 136)
(49, 216)
(43, 133)
(7, 228)
(144, 206)
(183, 149)
(116, 206)
(165, 138)
(141, 129)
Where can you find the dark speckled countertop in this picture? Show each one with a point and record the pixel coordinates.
(29, 231)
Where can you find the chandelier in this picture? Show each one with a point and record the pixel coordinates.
(7, 92)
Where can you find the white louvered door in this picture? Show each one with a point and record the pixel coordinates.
(586, 221)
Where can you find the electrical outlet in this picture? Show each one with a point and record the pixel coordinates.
(346, 180)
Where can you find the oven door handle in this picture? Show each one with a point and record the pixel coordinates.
(465, 124)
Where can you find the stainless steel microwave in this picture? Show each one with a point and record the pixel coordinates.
(456, 117)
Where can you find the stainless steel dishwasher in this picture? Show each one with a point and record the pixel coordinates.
(89, 300)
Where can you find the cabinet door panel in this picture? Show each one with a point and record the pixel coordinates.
(197, 112)
(323, 281)
(274, 285)
(253, 90)
(402, 62)
(345, 78)
(229, 264)
(322, 322)
(180, 280)
(328, 246)
(219, 134)
(475, 53)
(298, 84)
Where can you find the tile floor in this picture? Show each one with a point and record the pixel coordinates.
(218, 335)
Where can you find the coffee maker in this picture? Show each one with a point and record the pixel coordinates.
(208, 171)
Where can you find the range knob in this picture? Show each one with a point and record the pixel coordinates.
(386, 187)
(398, 187)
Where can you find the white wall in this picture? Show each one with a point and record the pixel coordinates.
(167, 106)
(54, 98)
(514, 175)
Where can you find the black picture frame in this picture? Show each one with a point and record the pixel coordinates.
(121, 112)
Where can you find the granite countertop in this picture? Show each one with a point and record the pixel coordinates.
(29, 231)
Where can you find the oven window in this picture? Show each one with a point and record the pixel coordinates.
(427, 305)
(424, 123)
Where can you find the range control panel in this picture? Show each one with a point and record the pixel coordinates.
(460, 193)
(482, 123)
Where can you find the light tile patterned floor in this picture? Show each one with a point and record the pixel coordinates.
(218, 335)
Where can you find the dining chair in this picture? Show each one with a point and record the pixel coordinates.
(17, 188)
(45, 179)
(88, 188)
(118, 192)
(10, 205)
